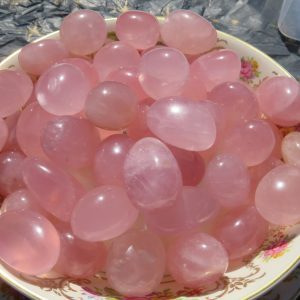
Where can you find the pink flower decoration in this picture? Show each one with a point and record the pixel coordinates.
(246, 70)
(276, 250)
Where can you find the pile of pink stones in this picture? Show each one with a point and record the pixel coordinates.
(141, 156)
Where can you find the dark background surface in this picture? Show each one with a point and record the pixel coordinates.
(254, 21)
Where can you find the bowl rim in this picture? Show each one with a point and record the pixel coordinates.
(110, 21)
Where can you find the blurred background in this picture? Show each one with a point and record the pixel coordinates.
(254, 21)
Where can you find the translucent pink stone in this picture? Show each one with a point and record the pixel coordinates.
(188, 32)
(70, 141)
(194, 207)
(86, 68)
(163, 72)
(11, 172)
(237, 101)
(136, 263)
(3, 133)
(78, 258)
(228, 180)
(29, 242)
(11, 124)
(151, 174)
(241, 231)
(138, 29)
(217, 113)
(114, 56)
(36, 58)
(55, 190)
(197, 259)
(279, 99)
(216, 67)
(194, 89)
(130, 77)
(62, 89)
(109, 159)
(30, 126)
(15, 90)
(83, 32)
(252, 141)
(138, 128)
(103, 213)
(258, 172)
(182, 123)
(19, 200)
(111, 105)
(277, 195)
(291, 148)
(191, 164)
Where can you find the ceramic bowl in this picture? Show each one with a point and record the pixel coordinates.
(277, 257)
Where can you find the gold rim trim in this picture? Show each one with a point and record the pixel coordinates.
(277, 279)
(29, 293)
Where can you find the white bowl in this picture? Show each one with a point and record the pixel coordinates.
(276, 259)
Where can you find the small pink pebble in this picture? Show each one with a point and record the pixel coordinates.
(70, 141)
(228, 180)
(252, 141)
(130, 77)
(194, 207)
(36, 58)
(151, 174)
(237, 102)
(188, 32)
(138, 128)
(83, 32)
(114, 56)
(19, 200)
(62, 89)
(197, 259)
(78, 258)
(102, 214)
(29, 129)
(109, 159)
(29, 242)
(86, 68)
(111, 105)
(279, 99)
(54, 189)
(15, 90)
(3, 133)
(291, 148)
(138, 29)
(136, 263)
(182, 123)
(191, 164)
(11, 172)
(163, 72)
(277, 195)
(216, 67)
(241, 231)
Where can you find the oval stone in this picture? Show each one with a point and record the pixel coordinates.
(182, 123)
(151, 174)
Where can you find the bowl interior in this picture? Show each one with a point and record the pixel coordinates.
(278, 256)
